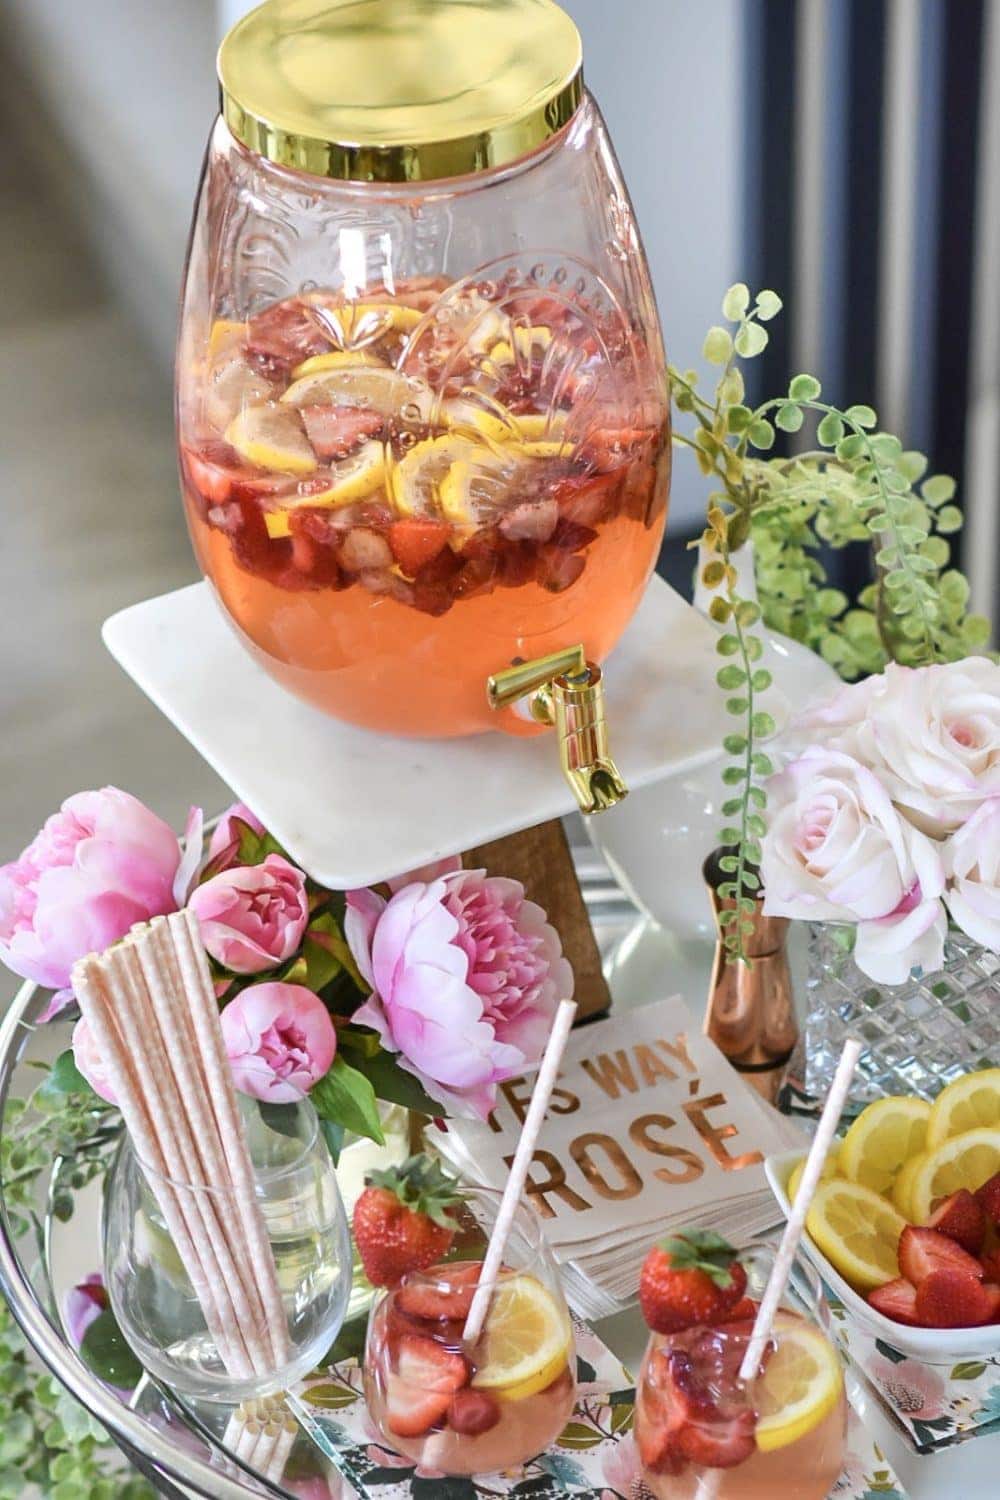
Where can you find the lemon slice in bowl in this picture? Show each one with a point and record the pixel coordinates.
(831, 1169)
(335, 359)
(967, 1104)
(359, 383)
(964, 1161)
(858, 1231)
(526, 1341)
(903, 1186)
(801, 1384)
(883, 1137)
(271, 437)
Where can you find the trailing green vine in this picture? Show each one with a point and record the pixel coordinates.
(856, 485)
(58, 1140)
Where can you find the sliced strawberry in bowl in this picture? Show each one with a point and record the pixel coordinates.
(922, 1251)
(990, 1262)
(896, 1300)
(963, 1219)
(336, 431)
(949, 1298)
(988, 1197)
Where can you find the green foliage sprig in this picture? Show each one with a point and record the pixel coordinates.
(46, 1437)
(856, 484)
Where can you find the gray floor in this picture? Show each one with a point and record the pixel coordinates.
(91, 521)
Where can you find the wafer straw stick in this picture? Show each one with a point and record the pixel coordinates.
(544, 1084)
(782, 1269)
(88, 985)
(134, 1014)
(155, 953)
(204, 1014)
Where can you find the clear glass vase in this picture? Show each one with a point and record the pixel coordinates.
(918, 1036)
(157, 1292)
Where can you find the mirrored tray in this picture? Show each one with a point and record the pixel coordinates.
(177, 1445)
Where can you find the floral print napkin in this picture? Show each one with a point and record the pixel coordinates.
(937, 1404)
(596, 1458)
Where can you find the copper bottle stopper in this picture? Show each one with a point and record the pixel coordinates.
(750, 1014)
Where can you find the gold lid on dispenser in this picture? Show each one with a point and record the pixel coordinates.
(399, 90)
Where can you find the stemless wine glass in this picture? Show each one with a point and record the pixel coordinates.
(464, 1411)
(150, 1288)
(703, 1432)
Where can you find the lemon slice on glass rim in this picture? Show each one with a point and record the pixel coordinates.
(967, 1104)
(858, 1231)
(886, 1135)
(801, 1384)
(526, 1342)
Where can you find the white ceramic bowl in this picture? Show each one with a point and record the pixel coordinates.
(935, 1346)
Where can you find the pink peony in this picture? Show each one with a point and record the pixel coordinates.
(466, 976)
(90, 1062)
(279, 1039)
(99, 865)
(226, 835)
(253, 916)
(82, 1305)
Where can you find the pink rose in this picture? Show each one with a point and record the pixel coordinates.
(253, 916)
(90, 1062)
(279, 1039)
(837, 850)
(972, 862)
(466, 976)
(226, 835)
(99, 865)
(931, 734)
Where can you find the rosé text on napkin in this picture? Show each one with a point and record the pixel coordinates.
(656, 1110)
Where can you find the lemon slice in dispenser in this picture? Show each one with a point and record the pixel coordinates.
(271, 437)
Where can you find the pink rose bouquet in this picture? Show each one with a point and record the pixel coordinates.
(889, 818)
(466, 976)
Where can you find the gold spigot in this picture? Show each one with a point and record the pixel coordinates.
(567, 691)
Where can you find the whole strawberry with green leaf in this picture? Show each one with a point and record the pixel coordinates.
(691, 1278)
(404, 1220)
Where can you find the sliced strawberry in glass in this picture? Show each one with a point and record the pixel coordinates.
(517, 564)
(211, 467)
(721, 1444)
(531, 521)
(415, 543)
(611, 447)
(336, 431)
(587, 499)
(571, 537)
(286, 334)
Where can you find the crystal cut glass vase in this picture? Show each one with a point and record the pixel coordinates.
(918, 1036)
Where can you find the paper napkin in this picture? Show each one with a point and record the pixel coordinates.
(649, 1130)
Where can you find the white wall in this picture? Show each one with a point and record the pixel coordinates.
(133, 82)
(128, 87)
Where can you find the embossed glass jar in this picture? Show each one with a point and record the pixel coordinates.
(421, 398)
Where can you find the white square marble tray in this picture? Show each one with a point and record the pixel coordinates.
(352, 807)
